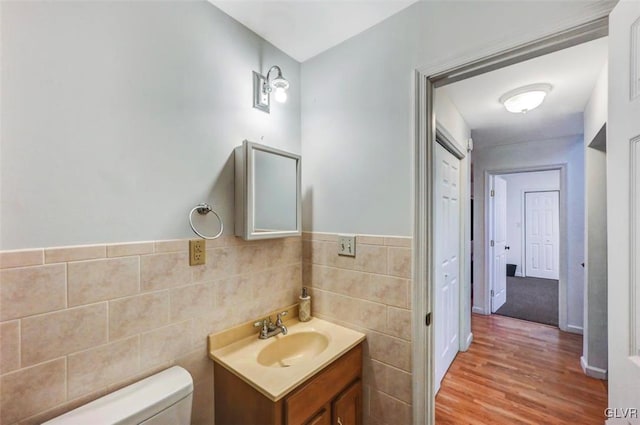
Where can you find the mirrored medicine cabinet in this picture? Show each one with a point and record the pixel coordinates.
(267, 192)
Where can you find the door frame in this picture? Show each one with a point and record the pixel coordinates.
(563, 298)
(589, 26)
(523, 251)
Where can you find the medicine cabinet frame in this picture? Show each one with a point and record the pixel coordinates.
(245, 192)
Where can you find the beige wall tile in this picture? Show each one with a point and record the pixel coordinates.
(202, 412)
(327, 237)
(372, 259)
(318, 252)
(400, 262)
(352, 310)
(63, 408)
(221, 263)
(159, 271)
(32, 290)
(306, 251)
(215, 321)
(165, 344)
(281, 252)
(100, 280)
(51, 335)
(251, 258)
(96, 368)
(388, 379)
(399, 322)
(133, 248)
(138, 377)
(21, 258)
(389, 290)
(199, 365)
(9, 346)
(388, 410)
(32, 390)
(74, 253)
(398, 241)
(370, 240)
(176, 245)
(140, 313)
(390, 350)
(343, 281)
(190, 301)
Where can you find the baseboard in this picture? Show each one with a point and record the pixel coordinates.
(468, 342)
(592, 371)
(478, 310)
(575, 329)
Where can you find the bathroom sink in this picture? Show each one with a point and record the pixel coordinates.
(277, 365)
(292, 349)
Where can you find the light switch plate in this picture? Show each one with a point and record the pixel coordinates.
(347, 245)
(197, 252)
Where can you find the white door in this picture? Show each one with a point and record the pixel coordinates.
(623, 208)
(498, 244)
(542, 234)
(446, 255)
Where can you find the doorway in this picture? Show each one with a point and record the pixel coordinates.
(425, 267)
(524, 217)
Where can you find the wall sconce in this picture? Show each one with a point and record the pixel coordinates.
(263, 86)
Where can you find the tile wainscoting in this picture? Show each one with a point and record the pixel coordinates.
(79, 322)
(372, 294)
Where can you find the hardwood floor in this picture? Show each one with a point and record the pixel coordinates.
(519, 372)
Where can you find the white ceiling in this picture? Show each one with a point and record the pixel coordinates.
(305, 28)
(572, 72)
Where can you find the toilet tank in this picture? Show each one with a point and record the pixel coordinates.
(162, 399)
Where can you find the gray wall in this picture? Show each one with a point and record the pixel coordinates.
(595, 342)
(357, 104)
(119, 117)
(566, 150)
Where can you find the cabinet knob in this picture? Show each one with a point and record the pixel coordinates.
(339, 421)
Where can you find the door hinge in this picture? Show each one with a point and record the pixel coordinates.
(492, 292)
(493, 243)
(493, 193)
(427, 319)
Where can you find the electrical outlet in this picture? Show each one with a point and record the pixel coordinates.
(347, 245)
(197, 252)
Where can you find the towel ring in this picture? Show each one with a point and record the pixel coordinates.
(204, 209)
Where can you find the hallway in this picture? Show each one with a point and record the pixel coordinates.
(519, 372)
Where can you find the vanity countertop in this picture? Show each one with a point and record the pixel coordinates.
(316, 344)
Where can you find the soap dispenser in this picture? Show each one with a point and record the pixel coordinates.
(304, 310)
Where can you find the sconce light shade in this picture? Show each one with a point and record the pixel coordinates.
(263, 86)
(524, 99)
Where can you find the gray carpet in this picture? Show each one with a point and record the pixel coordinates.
(532, 299)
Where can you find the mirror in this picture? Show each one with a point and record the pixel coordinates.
(267, 190)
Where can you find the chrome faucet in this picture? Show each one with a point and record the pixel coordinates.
(269, 329)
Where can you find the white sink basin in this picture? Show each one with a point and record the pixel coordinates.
(289, 350)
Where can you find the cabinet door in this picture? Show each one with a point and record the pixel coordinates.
(347, 407)
(322, 418)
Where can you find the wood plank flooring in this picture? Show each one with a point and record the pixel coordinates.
(519, 372)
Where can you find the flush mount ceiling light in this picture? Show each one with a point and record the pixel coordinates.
(524, 99)
(263, 86)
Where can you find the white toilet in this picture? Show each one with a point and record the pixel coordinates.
(162, 399)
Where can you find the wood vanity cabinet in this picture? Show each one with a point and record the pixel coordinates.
(333, 396)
